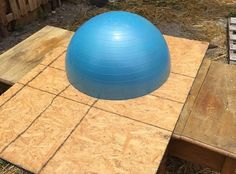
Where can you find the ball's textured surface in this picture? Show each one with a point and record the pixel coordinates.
(117, 55)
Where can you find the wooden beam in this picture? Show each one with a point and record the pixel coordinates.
(15, 9)
(229, 166)
(196, 154)
(9, 17)
(23, 8)
(192, 96)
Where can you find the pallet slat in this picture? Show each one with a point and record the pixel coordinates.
(23, 8)
(232, 55)
(232, 45)
(232, 40)
(232, 27)
(19, 9)
(233, 20)
(15, 9)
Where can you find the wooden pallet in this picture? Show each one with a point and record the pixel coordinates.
(232, 40)
(20, 9)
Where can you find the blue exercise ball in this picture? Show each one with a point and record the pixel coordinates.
(117, 55)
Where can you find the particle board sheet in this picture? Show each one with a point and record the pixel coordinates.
(58, 129)
(10, 93)
(107, 143)
(214, 110)
(48, 132)
(19, 112)
(19, 60)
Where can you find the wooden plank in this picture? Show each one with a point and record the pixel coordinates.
(232, 27)
(51, 56)
(39, 2)
(31, 5)
(231, 41)
(19, 60)
(33, 146)
(232, 36)
(232, 45)
(229, 166)
(232, 55)
(35, 4)
(196, 154)
(213, 115)
(10, 17)
(23, 8)
(100, 146)
(192, 97)
(15, 9)
(233, 20)
(3, 19)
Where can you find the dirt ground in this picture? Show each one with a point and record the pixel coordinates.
(195, 19)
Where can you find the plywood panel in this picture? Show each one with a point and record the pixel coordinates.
(19, 60)
(32, 74)
(107, 143)
(149, 109)
(15, 9)
(186, 55)
(74, 94)
(60, 62)
(18, 113)
(51, 80)
(9, 93)
(42, 139)
(120, 137)
(214, 114)
(175, 88)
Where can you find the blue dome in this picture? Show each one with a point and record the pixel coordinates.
(117, 55)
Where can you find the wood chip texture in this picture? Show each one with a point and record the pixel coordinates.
(47, 126)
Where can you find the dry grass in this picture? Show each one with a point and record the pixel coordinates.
(195, 19)
(7, 168)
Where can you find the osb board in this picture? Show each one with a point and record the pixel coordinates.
(214, 110)
(19, 60)
(51, 127)
(107, 143)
